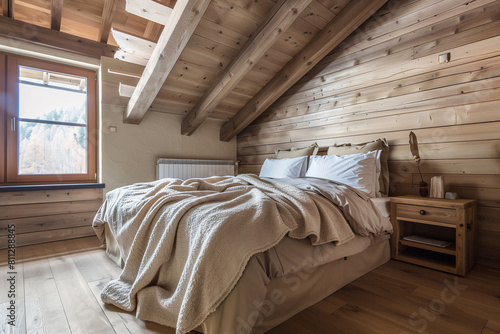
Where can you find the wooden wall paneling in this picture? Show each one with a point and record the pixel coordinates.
(475, 90)
(384, 81)
(41, 237)
(51, 222)
(383, 71)
(453, 166)
(468, 180)
(405, 19)
(398, 43)
(42, 209)
(455, 150)
(48, 215)
(452, 114)
(48, 196)
(478, 131)
(458, 38)
(422, 119)
(347, 92)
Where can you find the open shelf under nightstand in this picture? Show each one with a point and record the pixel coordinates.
(447, 220)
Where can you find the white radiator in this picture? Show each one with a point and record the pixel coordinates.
(188, 168)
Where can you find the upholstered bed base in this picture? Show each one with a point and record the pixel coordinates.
(257, 303)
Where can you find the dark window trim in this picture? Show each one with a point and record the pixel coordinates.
(4, 189)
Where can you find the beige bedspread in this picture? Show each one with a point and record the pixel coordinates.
(178, 239)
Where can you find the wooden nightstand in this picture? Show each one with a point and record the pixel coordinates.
(442, 219)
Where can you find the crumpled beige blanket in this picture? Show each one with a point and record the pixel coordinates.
(187, 243)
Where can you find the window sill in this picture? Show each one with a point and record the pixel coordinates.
(51, 187)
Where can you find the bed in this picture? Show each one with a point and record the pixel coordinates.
(238, 254)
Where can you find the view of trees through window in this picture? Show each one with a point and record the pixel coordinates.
(52, 134)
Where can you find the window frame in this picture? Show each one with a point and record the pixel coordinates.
(12, 110)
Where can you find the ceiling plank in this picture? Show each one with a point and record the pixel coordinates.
(348, 20)
(56, 14)
(277, 22)
(183, 21)
(108, 12)
(22, 31)
(8, 8)
(150, 10)
(152, 31)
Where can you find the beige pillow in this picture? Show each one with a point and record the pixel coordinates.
(379, 144)
(297, 152)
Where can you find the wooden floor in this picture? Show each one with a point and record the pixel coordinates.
(58, 285)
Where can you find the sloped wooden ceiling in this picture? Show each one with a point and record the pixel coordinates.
(224, 59)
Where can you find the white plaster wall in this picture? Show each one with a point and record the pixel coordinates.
(130, 154)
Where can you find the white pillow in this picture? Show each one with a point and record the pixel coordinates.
(356, 170)
(281, 168)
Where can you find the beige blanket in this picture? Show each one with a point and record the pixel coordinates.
(186, 244)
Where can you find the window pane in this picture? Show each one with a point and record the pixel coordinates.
(52, 149)
(52, 96)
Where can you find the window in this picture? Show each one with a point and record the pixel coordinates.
(50, 123)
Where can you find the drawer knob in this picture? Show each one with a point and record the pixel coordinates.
(422, 212)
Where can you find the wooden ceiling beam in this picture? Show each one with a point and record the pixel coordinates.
(8, 8)
(348, 20)
(19, 30)
(108, 12)
(183, 20)
(133, 49)
(150, 10)
(56, 14)
(277, 22)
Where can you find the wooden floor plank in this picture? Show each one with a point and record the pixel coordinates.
(17, 271)
(125, 322)
(93, 264)
(82, 311)
(350, 314)
(44, 310)
(443, 312)
(328, 306)
(19, 325)
(492, 327)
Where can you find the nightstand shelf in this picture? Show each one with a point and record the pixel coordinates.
(450, 250)
(446, 220)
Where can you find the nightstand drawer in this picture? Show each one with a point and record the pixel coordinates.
(426, 213)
